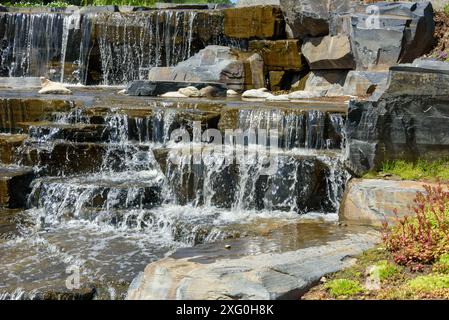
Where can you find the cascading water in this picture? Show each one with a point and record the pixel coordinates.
(103, 48)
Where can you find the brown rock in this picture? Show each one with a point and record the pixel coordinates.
(372, 201)
(279, 54)
(276, 80)
(8, 145)
(329, 52)
(14, 186)
(254, 22)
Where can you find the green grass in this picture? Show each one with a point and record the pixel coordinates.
(420, 170)
(429, 283)
(442, 265)
(63, 4)
(343, 288)
(30, 4)
(386, 270)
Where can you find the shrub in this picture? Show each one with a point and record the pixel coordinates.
(343, 287)
(442, 265)
(424, 236)
(429, 283)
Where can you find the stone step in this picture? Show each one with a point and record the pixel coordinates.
(126, 190)
(8, 146)
(9, 219)
(14, 110)
(79, 132)
(15, 186)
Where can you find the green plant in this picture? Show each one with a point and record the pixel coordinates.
(424, 236)
(429, 283)
(343, 287)
(442, 265)
(386, 270)
(420, 169)
(446, 8)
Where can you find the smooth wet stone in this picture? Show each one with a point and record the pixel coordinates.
(407, 121)
(8, 146)
(281, 97)
(14, 186)
(173, 94)
(190, 92)
(155, 88)
(265, 276)
(231, 93)
(260, 22)
(256, 94)
(373, 201)
(329, 52)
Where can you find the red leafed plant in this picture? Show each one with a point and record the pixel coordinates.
(423, 236)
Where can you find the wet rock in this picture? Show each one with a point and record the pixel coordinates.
(372, 201)
(329, 52)
(98, 9)
(406, 121)
(307, 94)
(50, 87)
(362, 83)
(250, 3)
(3, 8)
(190, 91)
(173, 94)
(405, 32)
(281, 97)
(8, 145)
(155, 88)
(15, 186)
(279, 54)
(259, 22)
(255, 72)
(265, 276)
(276, 80)
(211, 91)
(79, 132)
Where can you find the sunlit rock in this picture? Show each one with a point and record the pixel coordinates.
(50, 87)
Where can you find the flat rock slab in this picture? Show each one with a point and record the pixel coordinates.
(266, 276)
(372, 201)
(8, 145)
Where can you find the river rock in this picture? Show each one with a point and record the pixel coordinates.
(211, 91)
(407, 121)
(307, 94)
(231, 93)
(362, 83)
(404, 32)
(259, 22)
(50, 87)
(190, 91)
(265, 276)
(373, 201)
(329, 52)
(256, 94)
(279, 54)
(173, 94)
(281, 97)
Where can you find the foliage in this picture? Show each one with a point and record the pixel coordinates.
(40, 3)
(65, 3)
(421, 169)
(343, 287)
(442, 265)
(421, 238)
(429, 283)
(446, 9)
(386, 270)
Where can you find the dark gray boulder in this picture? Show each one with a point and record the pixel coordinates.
(408, 121)
(390, 33)
(155, 88)
(3, 8)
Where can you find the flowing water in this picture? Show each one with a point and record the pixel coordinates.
(113, 192)
(103, 48)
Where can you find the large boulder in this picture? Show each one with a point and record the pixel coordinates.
(329, 52)
(391, 33)
(216, 64)
(407, 121)
(279, 54)
(363, 83)
(312, 18)
(257, 22)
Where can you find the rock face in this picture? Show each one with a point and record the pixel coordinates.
(363, 83)
(392, 33)
(329, 52)
(216, 64)
(312, 18)
(265, 276)
(280, 54)
(260, 22)
(372, 201)
(325, 80)
(407, 121)
(14, 186)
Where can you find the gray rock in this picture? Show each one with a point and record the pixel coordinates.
(399, 32)
(329, 52)
(362, 83)
(373, 201)
(155, 88)
(265, 276)
(251, 3)
(325, 79)
(98, 9)
(312, 18)
(3, 8)
(407, 121)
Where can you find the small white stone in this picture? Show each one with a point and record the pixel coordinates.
(302, 94)
(123, 91)
(190, 91)
(281, 97)
(173, 94)
(256, 94)
(50, 87)
(231, 93)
